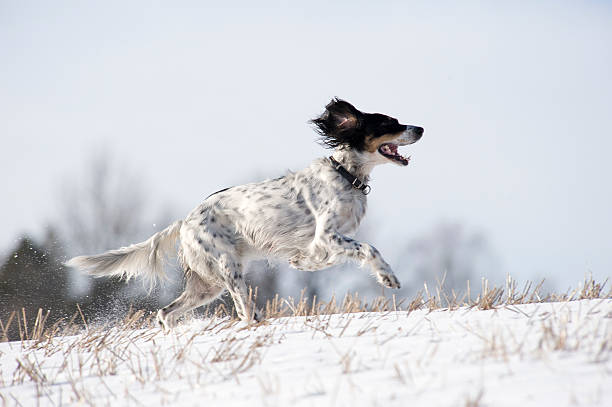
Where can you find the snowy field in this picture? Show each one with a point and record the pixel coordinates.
(547, 354)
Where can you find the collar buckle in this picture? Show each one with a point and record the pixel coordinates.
(355, 182)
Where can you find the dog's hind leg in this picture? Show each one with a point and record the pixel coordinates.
(231, 272)
(197, 292)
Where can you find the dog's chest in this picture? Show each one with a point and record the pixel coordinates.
(347, 211)
(340, 205)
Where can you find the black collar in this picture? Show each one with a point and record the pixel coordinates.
(355, 182)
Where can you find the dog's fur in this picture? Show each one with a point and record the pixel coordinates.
(306, 218)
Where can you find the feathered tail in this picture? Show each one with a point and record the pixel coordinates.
(144, 259)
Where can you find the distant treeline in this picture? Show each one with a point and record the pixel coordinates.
(33, 277)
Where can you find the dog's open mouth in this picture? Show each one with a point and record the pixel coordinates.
(389, 150)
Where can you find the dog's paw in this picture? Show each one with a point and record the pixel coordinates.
(257, 316)
(253, 316)
(165, 322)
(388, 280)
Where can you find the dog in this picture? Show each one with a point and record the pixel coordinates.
(306, 218)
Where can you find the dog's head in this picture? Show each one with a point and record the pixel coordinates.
(375, 134)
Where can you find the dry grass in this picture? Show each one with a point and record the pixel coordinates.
(555, 328)
(93, 355)
(35, 331)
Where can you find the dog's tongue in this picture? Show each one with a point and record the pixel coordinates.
(390, 149)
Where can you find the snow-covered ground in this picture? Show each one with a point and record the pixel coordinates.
(548, 354)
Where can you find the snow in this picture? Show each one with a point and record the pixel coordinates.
(528, 355)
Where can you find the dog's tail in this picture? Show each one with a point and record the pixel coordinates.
(144, 259)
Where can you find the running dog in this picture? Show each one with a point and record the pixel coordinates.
(306, 218)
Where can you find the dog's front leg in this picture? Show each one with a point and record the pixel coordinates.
(332, 248)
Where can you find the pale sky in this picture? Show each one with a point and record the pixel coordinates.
(515, 100)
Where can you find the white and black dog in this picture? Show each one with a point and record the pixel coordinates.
(306, 218)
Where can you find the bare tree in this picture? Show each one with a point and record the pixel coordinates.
(102, 208)
(448, 253)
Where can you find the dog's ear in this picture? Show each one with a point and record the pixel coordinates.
(338, 124)
(342, 115)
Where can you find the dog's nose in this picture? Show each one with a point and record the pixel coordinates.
(417, 132)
